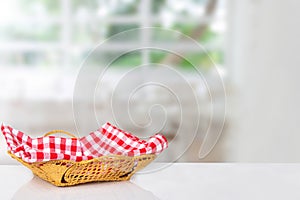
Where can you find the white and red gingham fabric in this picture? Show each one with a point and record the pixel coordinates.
(112, 140)
(108, 140)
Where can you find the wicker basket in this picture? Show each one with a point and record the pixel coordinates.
(104, 168)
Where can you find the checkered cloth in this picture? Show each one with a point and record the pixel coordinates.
(108, 140)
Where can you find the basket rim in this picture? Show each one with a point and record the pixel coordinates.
(112, 156)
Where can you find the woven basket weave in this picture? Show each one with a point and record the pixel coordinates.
(104, 168)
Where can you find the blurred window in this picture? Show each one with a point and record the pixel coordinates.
(58, 33)
(46, 35)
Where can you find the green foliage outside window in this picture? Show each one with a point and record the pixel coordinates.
(94, 31)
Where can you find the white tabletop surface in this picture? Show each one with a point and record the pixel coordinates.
(176, 181)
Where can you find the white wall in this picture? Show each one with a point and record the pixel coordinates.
(264, 62)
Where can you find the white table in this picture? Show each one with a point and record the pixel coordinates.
(177, 181)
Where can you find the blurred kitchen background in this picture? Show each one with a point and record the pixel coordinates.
(253, 44)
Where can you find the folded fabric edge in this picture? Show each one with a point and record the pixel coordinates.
(2, 126)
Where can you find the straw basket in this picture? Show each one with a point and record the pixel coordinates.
(104, 168)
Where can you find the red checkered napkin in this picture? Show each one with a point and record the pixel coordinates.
(42, 148)
(108, 140)
(112, 140)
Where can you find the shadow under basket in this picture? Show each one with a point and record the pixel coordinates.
(104, 168)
